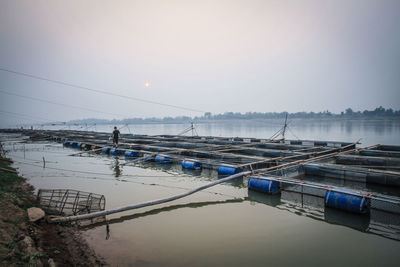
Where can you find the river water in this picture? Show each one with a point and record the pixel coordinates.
(226, 225)
(369, 132)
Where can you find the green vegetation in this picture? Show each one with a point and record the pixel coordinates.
(15, 198)
(9, 187)
(7, 179)
(379, 112)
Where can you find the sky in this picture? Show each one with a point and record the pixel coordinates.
(195, 57)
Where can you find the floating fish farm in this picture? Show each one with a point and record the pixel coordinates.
(339, 176)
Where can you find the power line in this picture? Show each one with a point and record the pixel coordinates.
(60, 104)
(96, 90)
(26, 116)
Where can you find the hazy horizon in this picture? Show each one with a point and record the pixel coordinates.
(208, 56)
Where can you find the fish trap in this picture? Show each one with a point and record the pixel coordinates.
(70, 202)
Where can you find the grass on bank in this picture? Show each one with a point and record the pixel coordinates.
(13, 190)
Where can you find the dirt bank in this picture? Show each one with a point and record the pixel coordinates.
(23, 243)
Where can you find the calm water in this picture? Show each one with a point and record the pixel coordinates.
(369, 132)
(224, 225)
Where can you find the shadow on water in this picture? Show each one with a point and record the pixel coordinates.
(91, 224)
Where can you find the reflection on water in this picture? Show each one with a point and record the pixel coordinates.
(192, 172)
(378, 222)
(194, 205)
(359, 222)
(116, 167)
(271, 200)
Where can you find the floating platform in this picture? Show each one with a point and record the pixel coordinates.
(339, 172)
(216, 153)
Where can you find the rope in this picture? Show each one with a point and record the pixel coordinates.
(290, 130)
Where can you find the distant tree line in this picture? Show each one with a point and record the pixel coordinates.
(379, 112)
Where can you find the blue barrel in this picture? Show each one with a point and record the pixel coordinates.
(163, 159)
(320, 143)
(131, 154)
(66, 143)
(228, 170)
(353, 202)
(296, 142)
(345, 144)
(190, 164)
(312, 169)
(115, 152)
(74, 144)
(263, 185)
(79, 145)
(105, 150)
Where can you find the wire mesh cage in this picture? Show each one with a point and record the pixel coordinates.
(70, 202)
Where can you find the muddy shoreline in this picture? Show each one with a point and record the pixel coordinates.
(35, 243)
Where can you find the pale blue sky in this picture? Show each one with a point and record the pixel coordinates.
(212, 56)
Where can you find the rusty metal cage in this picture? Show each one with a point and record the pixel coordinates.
(70, 202)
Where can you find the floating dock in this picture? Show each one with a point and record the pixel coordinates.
(335, 175)
(227, 155)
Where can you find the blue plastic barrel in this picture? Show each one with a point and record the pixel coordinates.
(74, 144)
(115, 152)
(320, 143)
(312, 169)
(163, 159)
(353, 202)
(66, 143)
(295, 142)
(263, 185)
(191, 164)
(79, 145)
(131, 154)
(105, 150)
(228, 170)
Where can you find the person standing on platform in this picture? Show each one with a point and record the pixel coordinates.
(115, 135)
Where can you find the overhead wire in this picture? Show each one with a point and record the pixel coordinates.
(27, 116)
(96, 90)
(61, 104)
(290, 130)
